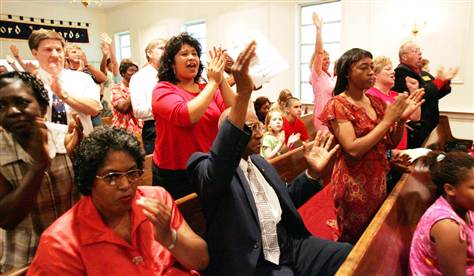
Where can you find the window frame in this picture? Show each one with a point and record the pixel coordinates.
(299, 63)
(118, 44)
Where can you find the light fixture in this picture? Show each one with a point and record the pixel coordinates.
(86, 3)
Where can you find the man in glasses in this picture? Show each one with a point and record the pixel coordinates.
(252, 220)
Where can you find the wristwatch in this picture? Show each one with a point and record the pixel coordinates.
(65, 96)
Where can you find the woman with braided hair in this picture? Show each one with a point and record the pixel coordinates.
(36, 174)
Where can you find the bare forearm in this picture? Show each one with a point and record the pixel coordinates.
(103, 64)
(191, 252)
(17, 204)
(318, 52)
(198, 106)
(397, 133)
(98, 75)
(358, 146)
(113, 60)
(228, 95)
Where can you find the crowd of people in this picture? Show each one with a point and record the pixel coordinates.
(70, 200)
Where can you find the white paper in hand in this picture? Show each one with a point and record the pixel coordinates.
(267, 62)
(105, 38)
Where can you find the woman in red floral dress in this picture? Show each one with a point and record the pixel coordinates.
(365, 127)
(123, 114)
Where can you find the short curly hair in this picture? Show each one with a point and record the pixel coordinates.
(125, 64)
(90, 155)
(30, 81)
(166, 70)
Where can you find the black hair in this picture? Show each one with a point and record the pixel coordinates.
(36, 85)
(451, 167)
(259, 102)
(343, 67)
(173, 46)
(89, 156)
(124, 65)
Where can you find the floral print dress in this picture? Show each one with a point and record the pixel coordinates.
(359, 184)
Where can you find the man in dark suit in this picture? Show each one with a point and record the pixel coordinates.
(253, 227)
(435, 89)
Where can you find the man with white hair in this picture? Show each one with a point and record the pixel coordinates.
(410, 66)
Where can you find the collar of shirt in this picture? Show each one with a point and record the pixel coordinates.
(94, 230)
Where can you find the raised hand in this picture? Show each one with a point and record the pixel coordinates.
(414, 101)
(442, 74)
(37, 146)
(160, 216)
(394, 111)
(229, 61)
(14, 50)
(240, 69)
(31, 68)
(319, 153)
(74, 134)
(317, 21)
(294, 137)
(215, 67)
(104, 47)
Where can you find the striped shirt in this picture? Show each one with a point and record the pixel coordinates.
(56, 195)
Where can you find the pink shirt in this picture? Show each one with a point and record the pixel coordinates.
(176, 137)
(389, 99)
(423, 258)
(323, 86)
(80, 243)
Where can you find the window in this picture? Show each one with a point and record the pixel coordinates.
(122, 44)
(331, 15)
(197, 29)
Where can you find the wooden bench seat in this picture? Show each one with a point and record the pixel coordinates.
(442, 135)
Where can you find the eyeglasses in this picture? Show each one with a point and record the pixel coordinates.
(112, 177)
(256, 126)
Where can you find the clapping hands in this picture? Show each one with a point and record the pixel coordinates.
(215, 67)
(160, 216)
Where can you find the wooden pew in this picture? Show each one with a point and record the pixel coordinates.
(384, 247)
(308, 123)
(147, 178)
(191, 208)
(442, 135)
(289, 164)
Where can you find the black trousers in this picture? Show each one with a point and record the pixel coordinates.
(175, 182)
(149, 136)
(305, 256)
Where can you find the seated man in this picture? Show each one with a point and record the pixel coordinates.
(252, 221)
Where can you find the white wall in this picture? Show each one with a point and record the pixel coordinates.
(376, 25)
(65, 12)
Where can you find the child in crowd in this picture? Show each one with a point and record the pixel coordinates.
(292, 123)
(443, 240)
(273, 142)
(283, 97)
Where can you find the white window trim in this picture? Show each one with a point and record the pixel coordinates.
(118, 45)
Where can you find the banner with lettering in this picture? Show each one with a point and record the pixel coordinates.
(21, 29)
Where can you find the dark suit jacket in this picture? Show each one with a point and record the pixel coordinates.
(233, 232)
(429, 109)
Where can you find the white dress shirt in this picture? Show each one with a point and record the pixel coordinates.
(76, 84)
(141, 89)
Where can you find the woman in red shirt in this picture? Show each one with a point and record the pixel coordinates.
(118, 227)
(186, 111)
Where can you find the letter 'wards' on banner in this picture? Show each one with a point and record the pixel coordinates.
(21, 29)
